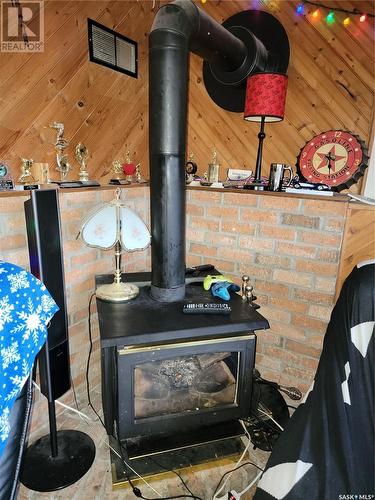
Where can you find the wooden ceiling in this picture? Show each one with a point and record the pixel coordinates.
(331, 86)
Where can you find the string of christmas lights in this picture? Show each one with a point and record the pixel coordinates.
(330, 17)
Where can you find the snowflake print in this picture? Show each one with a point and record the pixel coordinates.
(18, 281)
(10, 354)
(31, 323)
(4, 424)
(18, 383)
(5, 311)
(26, 308)
(47, 303)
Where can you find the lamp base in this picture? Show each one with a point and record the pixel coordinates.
(255, 186)
(117, 292)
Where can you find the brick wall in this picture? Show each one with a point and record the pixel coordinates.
(289, 247)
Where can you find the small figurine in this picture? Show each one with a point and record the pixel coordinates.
(26, 176)
(245, 282)
(82, 153)
(138, 174)
(118, 174)
(128, 168)
(190, 169)
(213, 168)
(249, 293)
(63, 165)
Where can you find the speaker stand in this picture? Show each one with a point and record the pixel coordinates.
(57, 460)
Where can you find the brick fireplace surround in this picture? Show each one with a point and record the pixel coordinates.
(288, 245)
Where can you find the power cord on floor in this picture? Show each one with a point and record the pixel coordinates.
(218, 491)
(174, 472)
(136, 491)
(88, 365)
(234, 469)
(81, 415)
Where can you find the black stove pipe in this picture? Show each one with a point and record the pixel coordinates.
(177, 27)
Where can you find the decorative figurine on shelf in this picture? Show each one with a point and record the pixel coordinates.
(129, 168)
(26, 176)
(42, 170)
(63, 165)
(82, 154)
(118, 174)
(245, 283)
(213, 168)
(138, 175)
(6, 182)
(190, 169)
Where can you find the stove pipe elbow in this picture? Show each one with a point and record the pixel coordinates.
(178, 27)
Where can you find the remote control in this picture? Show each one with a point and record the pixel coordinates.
(206, 308)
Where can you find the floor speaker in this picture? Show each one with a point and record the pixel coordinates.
(61, 458)
(46, 263)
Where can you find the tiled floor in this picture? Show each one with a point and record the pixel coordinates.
(97, 483)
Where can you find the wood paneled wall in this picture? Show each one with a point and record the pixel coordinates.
(331, 85)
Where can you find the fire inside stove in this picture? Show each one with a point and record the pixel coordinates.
(184, 384)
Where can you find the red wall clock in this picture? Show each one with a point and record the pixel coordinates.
(336, 158)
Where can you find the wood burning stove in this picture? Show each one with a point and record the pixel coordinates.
(171, 380)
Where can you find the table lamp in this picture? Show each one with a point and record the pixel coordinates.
(114, 225)
(264, 102)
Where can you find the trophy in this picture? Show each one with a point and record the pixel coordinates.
(42, 171)
(82, 153)
(26, 176)
(118, 174)
(129, 168)
(6, 182)
(213, 168)
(63, 165)
(138, 175)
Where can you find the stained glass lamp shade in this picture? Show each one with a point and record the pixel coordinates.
(116, 226)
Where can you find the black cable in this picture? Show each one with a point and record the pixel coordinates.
(232, 470)
(338, 9)
(88, 366)
(136, 491)
(174, 472)
(264, 432)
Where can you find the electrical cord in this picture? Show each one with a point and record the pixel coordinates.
(88, 365)
(136, 491)
(269, 415)
(338, 9)
(174, 472)
(233, 470)
(218, 491)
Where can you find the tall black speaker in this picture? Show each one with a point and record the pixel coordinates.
(46, 263)
(62, 457)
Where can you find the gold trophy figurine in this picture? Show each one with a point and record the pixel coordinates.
(82, 153)
(26, 176)
(118, 174)
(63, 165)
(213, 168)
(138, 174)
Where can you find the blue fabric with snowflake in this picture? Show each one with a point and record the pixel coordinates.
(26, 307)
